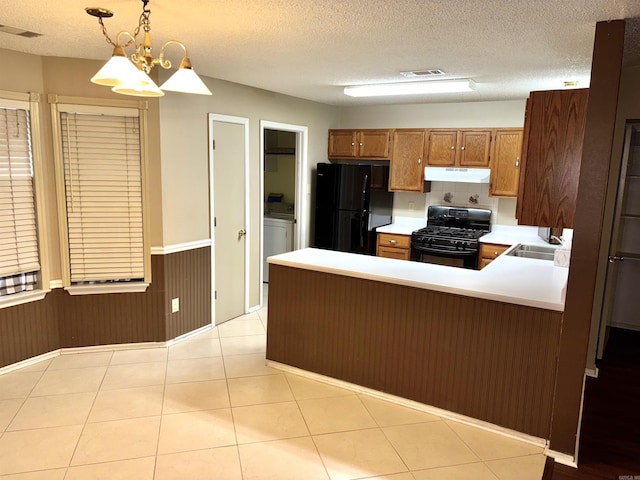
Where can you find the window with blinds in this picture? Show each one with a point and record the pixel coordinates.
(101, 157)
(19, 258)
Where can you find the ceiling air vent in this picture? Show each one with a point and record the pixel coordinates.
(21, 32)
(423, 73)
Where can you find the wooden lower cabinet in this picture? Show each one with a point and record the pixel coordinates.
(489, 252)
(392, 245)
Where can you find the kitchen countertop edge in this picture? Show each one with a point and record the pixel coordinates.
(520, 281)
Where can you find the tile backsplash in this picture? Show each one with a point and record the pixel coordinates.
(414, 205)
(461, 195)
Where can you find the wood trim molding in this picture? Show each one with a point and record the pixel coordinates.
(594, 173)
(181, 247)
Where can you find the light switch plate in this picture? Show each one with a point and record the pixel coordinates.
(175, 305)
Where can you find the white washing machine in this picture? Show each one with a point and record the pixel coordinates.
(278, 238)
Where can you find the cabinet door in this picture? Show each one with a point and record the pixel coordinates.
(342, 143)
(374, 143)
(406, 171)
(474, 148)
(397, 253)
(505, 163)
(554, 132)
(442, 148)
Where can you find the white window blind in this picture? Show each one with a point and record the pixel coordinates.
(18, 233)
(103, 187)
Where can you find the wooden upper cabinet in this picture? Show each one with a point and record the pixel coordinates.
(474, 148)
(442, 148)
(551, 156)
(505, 162)
(459, 148)
(342, 143)
(406, 171)
(373, 143)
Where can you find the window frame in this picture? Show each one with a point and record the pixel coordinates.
(31, 102)
(98, 106)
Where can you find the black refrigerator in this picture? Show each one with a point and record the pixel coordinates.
(351, 202)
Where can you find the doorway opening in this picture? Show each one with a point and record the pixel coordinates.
(284, 190)
(621, 303)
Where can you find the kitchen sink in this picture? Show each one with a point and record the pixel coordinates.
(533, 251)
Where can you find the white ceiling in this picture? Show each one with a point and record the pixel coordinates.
(313, 48)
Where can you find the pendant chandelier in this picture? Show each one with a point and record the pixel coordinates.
(129, 75)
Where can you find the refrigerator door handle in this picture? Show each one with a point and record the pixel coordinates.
(363, 200)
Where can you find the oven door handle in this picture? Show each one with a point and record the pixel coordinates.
(454, 253)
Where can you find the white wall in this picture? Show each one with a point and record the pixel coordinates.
(184, 157)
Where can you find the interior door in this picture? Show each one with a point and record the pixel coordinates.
(229, 231)
(622, 303)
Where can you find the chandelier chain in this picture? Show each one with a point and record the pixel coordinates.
(104, 32)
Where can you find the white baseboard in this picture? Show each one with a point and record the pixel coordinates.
(562, 458)
(101, 348)
(29, 361)
(474, 422)
(112, 347)
(188, 335)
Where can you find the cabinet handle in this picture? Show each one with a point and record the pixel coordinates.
(361, 143)
(453, 147)
(352, 144)
(393, 242)
(419, 160)
(461, 148)
(517, 162)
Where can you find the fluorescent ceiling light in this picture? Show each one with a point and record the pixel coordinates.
(411, 88)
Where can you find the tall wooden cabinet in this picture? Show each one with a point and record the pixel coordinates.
(552, 153)
(505, 162)
(406, 172)
(372, 143)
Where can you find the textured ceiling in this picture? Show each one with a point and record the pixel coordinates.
(313, 48)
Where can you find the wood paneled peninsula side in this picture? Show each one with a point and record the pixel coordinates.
(482, 344)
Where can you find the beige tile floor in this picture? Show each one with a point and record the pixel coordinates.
(209, 408)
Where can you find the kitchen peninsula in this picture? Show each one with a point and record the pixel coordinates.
(477, 343)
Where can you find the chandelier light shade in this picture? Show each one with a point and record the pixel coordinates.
(129, 75)
(185, 80)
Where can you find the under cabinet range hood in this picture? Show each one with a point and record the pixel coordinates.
(462, 175)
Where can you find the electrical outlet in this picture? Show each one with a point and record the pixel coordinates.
(175, 305)
(411, 205)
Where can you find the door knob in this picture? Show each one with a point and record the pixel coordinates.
(241, 233)
(615, 258)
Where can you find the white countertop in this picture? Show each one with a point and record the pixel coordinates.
(500, 234)
(510, 235)
(403, 226)
(517, 280)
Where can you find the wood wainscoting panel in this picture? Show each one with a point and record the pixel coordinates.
(488, 360)
(187, 276)
(29, 330)
(105, 319)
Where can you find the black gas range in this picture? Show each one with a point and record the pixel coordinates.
(451, 236)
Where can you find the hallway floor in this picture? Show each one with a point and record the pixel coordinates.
(209, 408)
